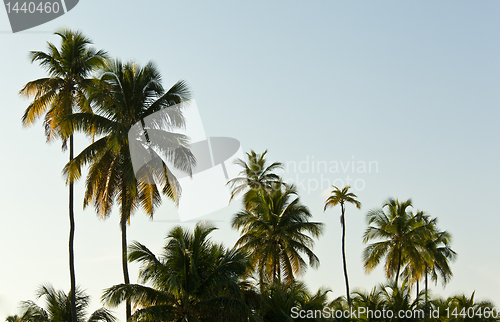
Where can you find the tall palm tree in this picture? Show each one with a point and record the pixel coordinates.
(255, 176)
(58, 308)
(60, 94)
(193, 279)
(399, 232)
(275, 231)
(125, 94)
(341, 197)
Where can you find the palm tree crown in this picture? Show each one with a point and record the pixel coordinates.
(193, 279)
(400, 233)
(58, 308)
(255, 176)
(64, 91)
(274, 231)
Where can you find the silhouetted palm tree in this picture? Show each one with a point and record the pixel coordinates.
(193, 279)
(341, 197)
(58, 308)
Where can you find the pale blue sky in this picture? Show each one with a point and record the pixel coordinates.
(413, 86)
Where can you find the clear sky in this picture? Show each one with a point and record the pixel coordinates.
(412, 87)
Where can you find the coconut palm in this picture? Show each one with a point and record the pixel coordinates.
(398, 299)
(61, 93)
(400, 233)
(58, 308)
(464, 308)
(277, 231)
(193, 279)
(125, 94)
(371, 301)
(282, 301)
(341, 197)
(255, 176)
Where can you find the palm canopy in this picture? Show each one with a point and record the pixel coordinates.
(277, 231)
(125, 94)
(64, 91)
(400, 234)
(255, 176)
(341, 197)
(193, 279)
(58, 308)
(281, 301)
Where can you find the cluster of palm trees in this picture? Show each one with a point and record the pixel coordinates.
(195, 278)
(87, 91)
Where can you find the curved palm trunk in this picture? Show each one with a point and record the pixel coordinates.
(72, 274)
(342, 222)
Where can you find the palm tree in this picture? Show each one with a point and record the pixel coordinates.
(283, 301)
(341, 197)
(124, 96)
(371, 301)
(463, 308)
(274, 232)
(58, 308)
(255, 176)
(193, 279)
(398, 299)
(400, 233)
(60, 94)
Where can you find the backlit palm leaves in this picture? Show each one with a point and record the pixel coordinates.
(400, 234)
(59, 95)
(255, 177)
(277, 232)
(58, 308)
(124, 95)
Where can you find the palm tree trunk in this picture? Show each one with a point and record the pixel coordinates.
(426, 289)
(123, 226)
(417, 289)
(72, 275)
(343, 257)
(399, 268)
